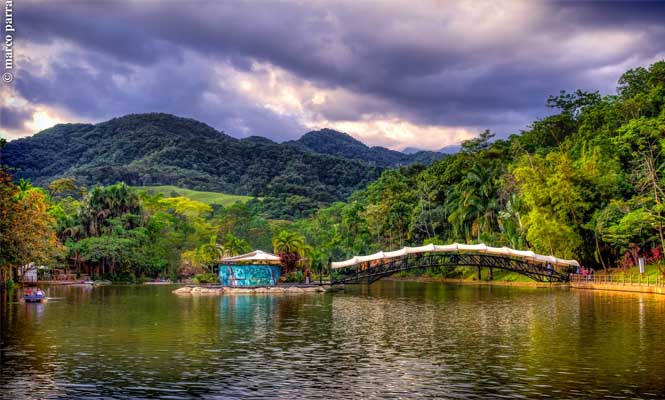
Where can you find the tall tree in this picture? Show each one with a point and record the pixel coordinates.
(289, 246)
(27, 231)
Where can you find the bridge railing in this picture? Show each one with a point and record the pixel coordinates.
(618, 279)
(370, 271)
(457, 248)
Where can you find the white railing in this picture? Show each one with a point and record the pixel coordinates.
(618, 279)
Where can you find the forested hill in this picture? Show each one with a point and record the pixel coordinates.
(328, 141)
(162, 149)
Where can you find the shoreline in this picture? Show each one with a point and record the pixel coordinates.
(190, 289)
(476, 282)
(196, 290)
(627, 288)
(614, 287)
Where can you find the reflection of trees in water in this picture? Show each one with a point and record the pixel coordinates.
(389, 338)
(280, 321)
(621, 333)
(269, 340)
(101, 334)
(419, 333)
(27, 360)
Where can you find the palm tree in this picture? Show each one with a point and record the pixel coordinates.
(288, 242)
(234, 246)
(457, 211)
(24, 185)
(511, 222)
(398, 219)
(480, 185)
(92, 211)
(472, 204)
(113, 201)
(289, 246)
(307, 254)
(212, 249)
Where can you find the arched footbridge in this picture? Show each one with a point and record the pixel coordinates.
(370, 268)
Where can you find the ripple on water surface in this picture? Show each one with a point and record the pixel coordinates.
(393, 339)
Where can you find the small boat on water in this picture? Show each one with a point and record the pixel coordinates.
(96, 283)
(34, 296)
(158, 282)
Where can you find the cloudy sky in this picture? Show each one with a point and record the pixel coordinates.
(396, 74)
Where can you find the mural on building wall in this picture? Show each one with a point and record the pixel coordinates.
(249, 275)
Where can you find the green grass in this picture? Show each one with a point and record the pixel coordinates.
(499, 275)
(649, 270)
(471, 274)
(204, 197)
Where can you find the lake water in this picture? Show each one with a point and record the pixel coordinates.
(392, 339)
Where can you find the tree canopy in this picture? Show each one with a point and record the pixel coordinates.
(585, 182)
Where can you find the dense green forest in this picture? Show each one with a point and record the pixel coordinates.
(296, 178)
(585, 183)
(122, 233)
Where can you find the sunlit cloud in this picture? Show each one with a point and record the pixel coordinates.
(399, 134)
(42, 120)
(315, 108)
(19, 117)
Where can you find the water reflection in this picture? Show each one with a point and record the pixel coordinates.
(393, 339)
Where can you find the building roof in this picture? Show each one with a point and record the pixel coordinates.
(254, 256)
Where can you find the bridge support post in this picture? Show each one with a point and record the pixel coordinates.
(479, 274)
(491, 274)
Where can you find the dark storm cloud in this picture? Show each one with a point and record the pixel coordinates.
(98, 87)
(416, 64)
(612, 13)
(105, 27)
(14, 117)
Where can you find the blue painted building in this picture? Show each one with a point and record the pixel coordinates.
(253, 269)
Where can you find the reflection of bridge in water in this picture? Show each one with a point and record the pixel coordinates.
(368, 269)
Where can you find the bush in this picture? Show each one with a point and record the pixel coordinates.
(41, 274)
(297, 276)
(205, 278)
(122, 277)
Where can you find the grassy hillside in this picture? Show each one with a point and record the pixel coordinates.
(204, 197)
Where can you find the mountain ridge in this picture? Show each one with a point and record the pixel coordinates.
(451, 149)
(163, 149)
(330, 141)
